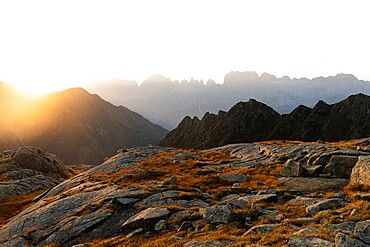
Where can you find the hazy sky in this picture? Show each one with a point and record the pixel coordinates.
(52, 45)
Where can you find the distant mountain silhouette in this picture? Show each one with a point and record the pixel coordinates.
(254, 121)
(167, 102)
(75, 125)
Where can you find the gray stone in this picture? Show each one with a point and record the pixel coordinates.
(217, 214)
(145, 218)
(292, 168)
(269, 214)
(305, 201)
(262, 229)
(180, 215)
(126, 201)
(362, 230)
(309, 241)
(135, 193)
(340, 166)
(365, 197)
(306, 232)
(26, 186)
(323, 205)
(322, 160)
(245, 200)
(361, 171)
(345, 226)
(312, 171)
(312, 158)
(343, 240)
(210, 243)
(160, 226)
(171, 181)
(186, 225)
(234, 178)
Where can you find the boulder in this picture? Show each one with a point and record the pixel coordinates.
(343, 240)
(312, 171)
(35, 158)
(309, 241)
(340, 165)
(323, 205)
(245, 200)
(180, 215)
(345, 226)
(160, 226)
(269, 214)
(322, 160)
(234, 178)
(292, 168)
(362, 230)
(145, 218)
(217, 214)
(361, 171)
(210, 243)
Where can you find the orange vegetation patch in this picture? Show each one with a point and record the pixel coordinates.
(4, 178)
(191, 171)
(282, 142)
(11, 206)
(352, 189)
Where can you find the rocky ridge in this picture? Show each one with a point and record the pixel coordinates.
(228, 196)
(254, 121)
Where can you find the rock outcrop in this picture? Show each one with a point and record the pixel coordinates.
(30, 169)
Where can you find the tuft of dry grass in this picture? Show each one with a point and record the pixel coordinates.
(351, 189)
(31, 230)
(11, 206)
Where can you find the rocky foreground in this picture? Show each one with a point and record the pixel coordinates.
(263, 194)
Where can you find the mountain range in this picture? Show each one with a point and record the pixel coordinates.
(255, 121)
(167, 102)
(77, 126)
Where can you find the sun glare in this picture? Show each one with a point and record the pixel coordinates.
(34, 89)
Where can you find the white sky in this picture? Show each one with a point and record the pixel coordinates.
(51, 45)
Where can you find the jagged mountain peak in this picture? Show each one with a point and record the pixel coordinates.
(254, 121)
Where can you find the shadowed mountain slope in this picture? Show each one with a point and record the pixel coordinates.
(77, 126)
(254, 121)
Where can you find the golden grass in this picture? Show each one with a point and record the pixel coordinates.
(190, 173)
(11, 206)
